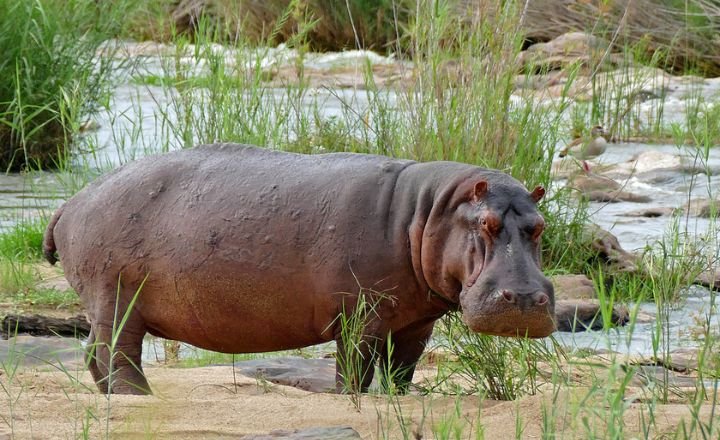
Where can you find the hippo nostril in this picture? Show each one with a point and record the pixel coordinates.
(541, 298)
(509, 296)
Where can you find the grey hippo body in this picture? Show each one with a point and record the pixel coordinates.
(239, 249)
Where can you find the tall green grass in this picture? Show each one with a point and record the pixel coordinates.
(50, 75)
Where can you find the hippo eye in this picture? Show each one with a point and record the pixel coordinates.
(537, 230)
(491, 224)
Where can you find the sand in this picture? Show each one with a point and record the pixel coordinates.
(209, 402)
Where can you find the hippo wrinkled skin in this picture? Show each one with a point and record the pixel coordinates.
(238, 249)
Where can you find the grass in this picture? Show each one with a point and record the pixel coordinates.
(51, 77)
(23, 240)
(20, 255)
(471, 117)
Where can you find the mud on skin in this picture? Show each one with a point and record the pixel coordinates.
(248, 250)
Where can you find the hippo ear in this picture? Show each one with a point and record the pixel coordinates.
(537, 194)
(479, 190)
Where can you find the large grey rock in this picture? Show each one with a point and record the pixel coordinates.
(573, 287)
(598, 188)
(648, 165)
(315, 375)
(653, 212)
(705, 208)
(616, 196)
(581, 315)
(609, 249)
(572, 48)
(657, 375)
(332, 433)
(709, 279)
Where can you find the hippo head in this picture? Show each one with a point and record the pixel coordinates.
(487, 257)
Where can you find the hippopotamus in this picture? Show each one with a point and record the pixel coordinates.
(240, 249)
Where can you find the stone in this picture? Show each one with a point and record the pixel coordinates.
(710, 279)
(331, 433)
(683, 360)
(573, 287)
(609, 248)
(653, 212)
(705, 208)
(616, 196)
(314, 375)
(648, 165)
(659, 375)
(598, 188)
(40, 325)
(572, 48)
(581, 315)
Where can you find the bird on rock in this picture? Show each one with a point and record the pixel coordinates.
(587, 148)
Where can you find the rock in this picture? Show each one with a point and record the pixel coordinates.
(573, 287)
(648, 165)
(588, 182)
(657, 211)
(566, 168)
(616, 196)
(332, 433)
(705, 208)
(383, 76)
(710, 279)
(609, 248)
(572, 48)
(315, 375)
(661, 376)
(597, 188)
(578, 315)
(683, 360)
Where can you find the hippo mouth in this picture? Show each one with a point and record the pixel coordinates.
(499, 316)
(534, 325)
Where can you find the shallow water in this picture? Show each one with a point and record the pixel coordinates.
(667, 189)
(681, 329)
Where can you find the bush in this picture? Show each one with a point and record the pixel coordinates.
(50, 75)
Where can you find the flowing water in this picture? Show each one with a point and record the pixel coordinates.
(131, 129)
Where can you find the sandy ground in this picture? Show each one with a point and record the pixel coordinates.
(209, 403)
(42, 401)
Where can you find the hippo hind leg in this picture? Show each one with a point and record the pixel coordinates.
(98, 371)
(117, 368)
(124, 374)
(400, 355)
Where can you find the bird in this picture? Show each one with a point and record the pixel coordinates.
(584, 148)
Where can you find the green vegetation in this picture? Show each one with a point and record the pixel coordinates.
(23, 241)
(51, 75)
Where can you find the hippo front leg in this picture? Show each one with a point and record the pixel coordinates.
(355, 359)
(401, 354)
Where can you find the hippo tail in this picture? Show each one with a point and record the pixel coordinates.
(48, 244)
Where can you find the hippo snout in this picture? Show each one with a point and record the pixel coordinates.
(526, 301)
(507, 312)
